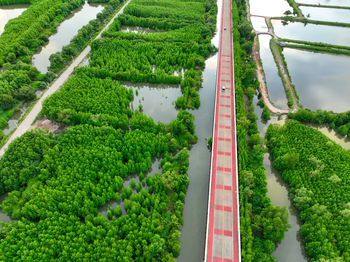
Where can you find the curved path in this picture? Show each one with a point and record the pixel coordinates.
(223, 234)
(26, 124)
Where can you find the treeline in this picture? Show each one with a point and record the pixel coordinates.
(22, 37)
(25, 34)
(317, 172)
(262, 225)
(60, 59)
(84, 167)
(337, 121)
(184, 43)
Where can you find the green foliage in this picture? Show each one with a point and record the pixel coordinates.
(76, 45)
(258, 217)
(22, 158)
(338, 121)
(319, 183)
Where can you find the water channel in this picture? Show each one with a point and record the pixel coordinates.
(325, 2)
(313, 33)
(322, 81)
(274, 83)
(9, 12)
(65, 33)
(326, 14)
(290, 249)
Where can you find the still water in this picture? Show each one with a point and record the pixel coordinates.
(9, 12)
(313, 33)
(325, 2)
(326, 14)
(65, 33)
(290, 249)
(269, 8)
(196, 204)
(157, 100)
(259, 24)
(322, 81)
(4, 217)
(275, 86)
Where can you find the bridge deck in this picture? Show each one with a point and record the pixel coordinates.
(223, 240)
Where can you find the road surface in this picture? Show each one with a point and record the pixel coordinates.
(26, 124)
(223, 235)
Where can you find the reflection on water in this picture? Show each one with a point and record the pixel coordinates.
(290, 249)
(157, 100)
(65, 33)
(326, 14)
(136, 29)
(259, 24)
(313, 33)
(269, 7)
(196, 204)
(9, 12)
(325, 2)
(275, 86)
(322, 81)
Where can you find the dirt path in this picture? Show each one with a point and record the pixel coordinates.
(263, 87)
(26, 124)
(287, 83)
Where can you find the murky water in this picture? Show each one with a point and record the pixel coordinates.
(10, 12)
(154, 168)
(290, 249)
(157, 100)
(326, 14)
(13, 122)
(334, 136)
(322, 81)
(275, 86)
(136, 29)
(4, 217)
(325, 2)
(259, 24)
(313, 33)
(269, 8)
(196, 204)
(65, 32)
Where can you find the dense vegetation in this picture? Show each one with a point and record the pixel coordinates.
(183, 44)
(317, 171)
(25, 34)
(338, 121)
(60, 59)
(262, 225)
(67, 178)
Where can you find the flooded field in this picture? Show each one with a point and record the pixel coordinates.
(275, 86)
(259, 24)
(9, 12)
(65, 33)
(313, 33)
(325, 2)
(269, 8)
(322, 81)
(326, 14)
(157, 100)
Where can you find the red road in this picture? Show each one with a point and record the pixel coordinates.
(223, 238)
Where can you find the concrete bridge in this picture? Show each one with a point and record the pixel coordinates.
(223, 236)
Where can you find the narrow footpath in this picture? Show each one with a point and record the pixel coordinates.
(26, 124)
(223, 236)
